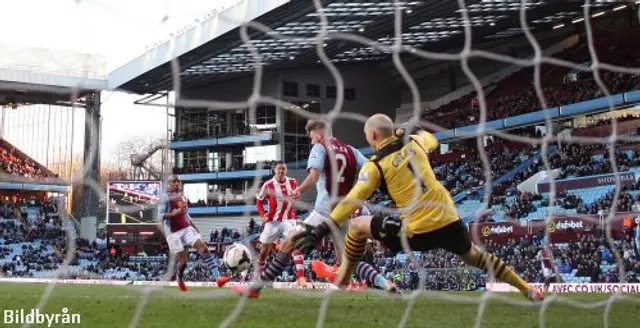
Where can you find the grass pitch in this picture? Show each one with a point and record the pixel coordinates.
(115, 306)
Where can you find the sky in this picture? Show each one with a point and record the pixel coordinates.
(118, 30)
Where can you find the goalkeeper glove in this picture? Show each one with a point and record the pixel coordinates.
(311, 236)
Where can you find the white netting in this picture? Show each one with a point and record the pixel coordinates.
(396, 47)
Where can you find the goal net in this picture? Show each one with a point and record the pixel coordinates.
(537, 143)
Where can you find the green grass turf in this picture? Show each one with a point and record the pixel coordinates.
(114, 306)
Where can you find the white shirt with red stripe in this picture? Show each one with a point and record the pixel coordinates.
(274, 193)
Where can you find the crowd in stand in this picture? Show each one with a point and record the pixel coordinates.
(572, 160)
(578, 160)
(37, 230)
(35, 227)
(14, 164)
(220, 199)
(608, 121)
(468, 171)
(22, 223)
(225, 235)
(444, 271)
(527, 101)
(519, 98)
(625, 202)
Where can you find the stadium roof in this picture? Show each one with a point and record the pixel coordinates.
(30, 75)
(214, 51)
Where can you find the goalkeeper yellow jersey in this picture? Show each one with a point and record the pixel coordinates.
(402, 170)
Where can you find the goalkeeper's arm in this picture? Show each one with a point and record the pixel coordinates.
(368, 182)
(408, 128)
(426, 140)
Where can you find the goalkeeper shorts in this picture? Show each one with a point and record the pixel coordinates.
(453, 237)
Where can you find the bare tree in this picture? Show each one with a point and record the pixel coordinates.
(141, 157)
(138, 158)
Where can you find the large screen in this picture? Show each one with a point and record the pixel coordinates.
(133, 202)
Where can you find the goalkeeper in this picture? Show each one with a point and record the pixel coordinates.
(400, 168)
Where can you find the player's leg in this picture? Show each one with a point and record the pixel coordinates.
(298, 261)
(322, 269)
(547, 274)
(265, 250)
(254, 241)
(274, 267)
(547, 283)
(289, 228)
(338, 242)
(337, 249)
(192, 237)
(455, 238)
(367, 272)
(267, 237)
(493, 265)
(360, 230)
(176, 248)
(271, 233)
(183, 258)
(281, 259)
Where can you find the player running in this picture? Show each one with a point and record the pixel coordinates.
(402, 170)
(548, 268)
(333, 167)
(348, 162)
(183, 233)
(280, 219)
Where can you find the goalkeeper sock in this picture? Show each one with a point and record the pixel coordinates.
(210, 261)
(274, 268)
(298, 259)
(501, 271)
(353, 253)
(367, 272)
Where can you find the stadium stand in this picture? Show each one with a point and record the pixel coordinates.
(14, 162)
(32, 240)
(561, 86)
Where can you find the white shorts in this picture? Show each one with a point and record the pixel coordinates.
(276, 230)
(546, 272)
(314, 219)
(182, 238)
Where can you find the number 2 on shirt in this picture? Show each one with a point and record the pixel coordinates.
(341, 161)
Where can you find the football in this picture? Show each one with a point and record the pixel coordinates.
(237, 258)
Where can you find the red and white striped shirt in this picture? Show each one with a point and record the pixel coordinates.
(273, 192)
